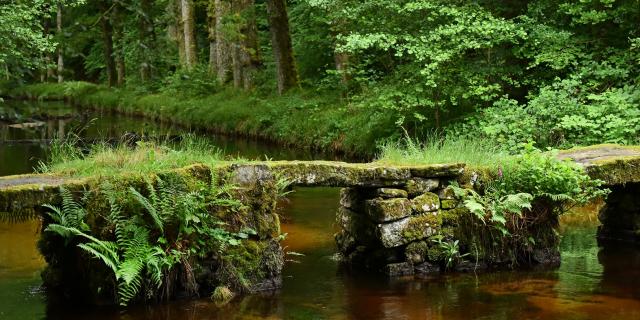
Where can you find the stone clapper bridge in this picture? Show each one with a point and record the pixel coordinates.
(388, 215)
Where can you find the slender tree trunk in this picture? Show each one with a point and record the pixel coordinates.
(188, 22)
(342, 66)
(281, 42)
(119, 44)
(145, 26)
(211, 35)
(107, 38)
(246, 54)
(44, 73)
(176, 30)
(60, 49)
(223, 48)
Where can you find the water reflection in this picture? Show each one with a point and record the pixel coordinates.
(27, 127)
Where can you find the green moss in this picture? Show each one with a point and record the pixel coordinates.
(222, 295)
(426, 202)
(388, 210)
(418, 226)
(451, 217)
(416, 252)
(448, 204)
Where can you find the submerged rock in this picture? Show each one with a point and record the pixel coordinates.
(398, 269)
(222, 295)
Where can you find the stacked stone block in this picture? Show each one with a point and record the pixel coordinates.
(392, 228)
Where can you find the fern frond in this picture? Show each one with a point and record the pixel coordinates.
(107, 253)
(55, 214)
(148, 205)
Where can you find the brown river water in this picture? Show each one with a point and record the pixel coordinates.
(594, 281)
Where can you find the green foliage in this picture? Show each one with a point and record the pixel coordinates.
(154, 234)
(194, 82)
(22, 37)
(449, 250)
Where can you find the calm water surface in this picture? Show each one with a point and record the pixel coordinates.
(593, 282)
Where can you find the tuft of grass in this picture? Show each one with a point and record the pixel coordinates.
(102, 159)
(440, 149)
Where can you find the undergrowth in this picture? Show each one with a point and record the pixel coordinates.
(154, 236)
(513, 200)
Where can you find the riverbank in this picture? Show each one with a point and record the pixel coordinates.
(301, 119)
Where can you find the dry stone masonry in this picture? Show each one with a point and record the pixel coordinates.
(391, 229)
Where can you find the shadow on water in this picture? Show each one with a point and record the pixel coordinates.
(595, 281)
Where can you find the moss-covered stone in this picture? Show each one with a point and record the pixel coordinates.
(389, 193)
(222, 295)
(452, 216)
(438, 170)
(351, 198)
(447, 194)
(409, 229)
(416, 252)
(418, 186)
(427, 202)
(448, 204)
(613, 164)
(330, 173)
(380, 210)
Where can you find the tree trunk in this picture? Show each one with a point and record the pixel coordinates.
(176, 30)
(145, 26)
(48, 72)
(281, 42)
(59, 33)
(107, 38)
(119, 44)
(342, 66)
(223, 48)
(211, 35)
(246, 57)
(189, 33)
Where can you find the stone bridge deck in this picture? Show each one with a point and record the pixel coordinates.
(614, 164)
(24, 192)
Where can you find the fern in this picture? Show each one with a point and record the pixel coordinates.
(149, 205)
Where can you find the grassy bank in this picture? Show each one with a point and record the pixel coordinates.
(304, 119)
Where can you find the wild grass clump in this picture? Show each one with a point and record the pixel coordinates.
(103, 159)
(439, 149)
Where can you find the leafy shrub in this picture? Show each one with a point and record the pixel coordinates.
(195, 82)
(564, 114)
(528, 194)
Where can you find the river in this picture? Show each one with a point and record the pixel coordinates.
(595, 281)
